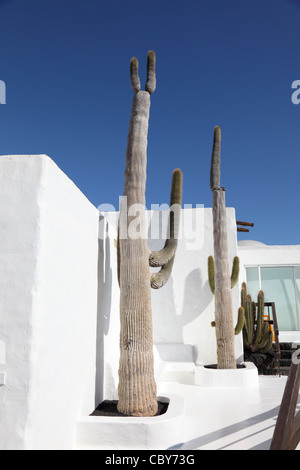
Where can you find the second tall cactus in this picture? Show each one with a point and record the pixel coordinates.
(220, 278)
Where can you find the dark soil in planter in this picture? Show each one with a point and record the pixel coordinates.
(109, 408)
(265, 363)
(215, 366)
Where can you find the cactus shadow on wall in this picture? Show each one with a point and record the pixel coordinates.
(181, 304)
(103, 308)
(196, 297)
(196, 300)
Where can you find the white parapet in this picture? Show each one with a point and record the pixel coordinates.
(48, 304)
(244, 377)
(125, 433)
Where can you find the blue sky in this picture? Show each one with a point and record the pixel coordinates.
(219, 62)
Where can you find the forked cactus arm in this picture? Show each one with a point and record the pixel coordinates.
(162, 257)
(151, 76)
(165, 258)
(134, 75)
(159, 279)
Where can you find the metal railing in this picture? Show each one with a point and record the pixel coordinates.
(287, 430)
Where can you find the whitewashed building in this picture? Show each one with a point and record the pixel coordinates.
(59, 300)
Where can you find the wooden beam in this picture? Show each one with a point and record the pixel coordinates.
(245, 224)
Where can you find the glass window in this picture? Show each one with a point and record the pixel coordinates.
(297, 287)
(278, 284)
(253, 282)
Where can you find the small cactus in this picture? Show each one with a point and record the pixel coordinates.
(257, 334)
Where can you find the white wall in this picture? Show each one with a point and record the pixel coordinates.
(253, 253)
(59, 301)
(108, 326)
(184, 308)
(48, 304)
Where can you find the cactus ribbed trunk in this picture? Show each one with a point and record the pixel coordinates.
(225, 331)
(223, 297)
(137, 388)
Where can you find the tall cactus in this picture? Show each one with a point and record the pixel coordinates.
(257, 333)
(222, 280)
(137, 387)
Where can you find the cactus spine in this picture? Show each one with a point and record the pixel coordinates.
(221, 282)
(137, 387)
(257, 334)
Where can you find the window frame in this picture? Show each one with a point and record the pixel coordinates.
(286, 265)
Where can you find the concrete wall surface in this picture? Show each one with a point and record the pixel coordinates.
(253, 253)
(48, 304)
(184, 308)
